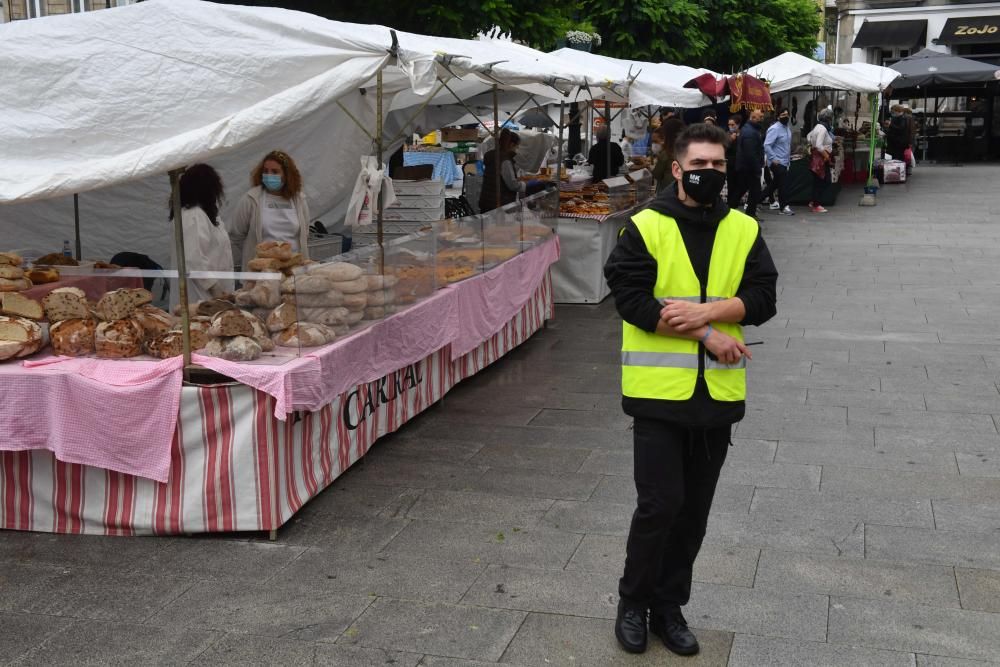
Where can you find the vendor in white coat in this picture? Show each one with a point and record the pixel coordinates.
(206, 243)
(273, 210)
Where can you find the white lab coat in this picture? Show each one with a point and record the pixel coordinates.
(206, 248)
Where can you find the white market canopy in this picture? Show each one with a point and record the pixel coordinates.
(656, 84)
(789, 71)
(185, 80)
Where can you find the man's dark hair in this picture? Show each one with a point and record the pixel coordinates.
(699, 133)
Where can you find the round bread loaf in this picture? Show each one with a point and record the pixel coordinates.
(282, 317)
(237, 348)
(232, 323)
(339, 271)
(325, 316)
(19, 337)
(118, 339)
(153, 321)
(378, 282)
(322, 300)
(167, 345)
(304, 334)
(11, 272)
(280, 250)
(73, 338)
(351, 286)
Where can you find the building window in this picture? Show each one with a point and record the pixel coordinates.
(35, 8)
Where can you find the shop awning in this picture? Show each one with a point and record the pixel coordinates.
(891, 33)
(971, 30)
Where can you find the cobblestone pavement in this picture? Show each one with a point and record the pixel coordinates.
(857, 523)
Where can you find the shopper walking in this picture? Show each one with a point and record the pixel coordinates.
(778, 155)
(686, 275)
(820, 140)
(274, 209)
(749, 164)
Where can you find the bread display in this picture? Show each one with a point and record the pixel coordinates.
(65, 303)
(304, 334)
(337, 271)
(355, 286)
(10, 259)
(12, 303)
(11, 272)
(56, 259)
(73, 338)
(308, 284)
(43, 276)
(14, 285)
(238, 348)
(19, 337)
(274, 250)
(116, 305)
(232, 323)
(118, 339)
(153, 321)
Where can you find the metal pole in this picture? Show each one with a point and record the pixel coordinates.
(182, 285)
(559, 153)
(76, 225)
(496, 140)
(607, 123)
(378, 149)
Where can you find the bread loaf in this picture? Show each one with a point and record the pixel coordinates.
(264, 265)
(9, 349)
(304, 334)
(10, 259)
(211, 307)
(11, 272)
(282, 317)
(43, 276)
(351, 286)
(26, 335)
(379, 312)
(65, 304)
(15, 285)
(116, 305)
(199, 326)
(354, 317)
(73, 338)
(339, 271)
(262, 335)
(12, 303)
(356, 301)
(307, 284)
(153, 321)
(341, 329)
(238, 348)
(381, 297)
(232, 323)
(320, 300)
(266, 293)
(141, 297)
(274, 250)
(167, 345)
(286, 265)
(118, 339)
(378, 282)
(326, 316)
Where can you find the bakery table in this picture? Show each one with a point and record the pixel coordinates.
(586, 241)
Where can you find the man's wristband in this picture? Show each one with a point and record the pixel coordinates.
(708, 333)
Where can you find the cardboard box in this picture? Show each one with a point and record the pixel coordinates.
(457, 135)
(414, 188)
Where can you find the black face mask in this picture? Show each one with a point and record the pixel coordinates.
(703, 185)
(783, 121)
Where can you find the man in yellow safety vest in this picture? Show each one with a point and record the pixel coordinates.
(687, 274)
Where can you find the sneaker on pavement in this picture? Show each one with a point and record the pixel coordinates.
(787, 211)
(775, 206)
(817, 209)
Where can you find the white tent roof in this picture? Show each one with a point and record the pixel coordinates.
(791, 70)
(657, 84)
(875, 77)
(185, 80)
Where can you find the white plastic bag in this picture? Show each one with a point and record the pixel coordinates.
(371, 180)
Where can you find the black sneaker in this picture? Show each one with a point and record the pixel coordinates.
(673, 630)
(630, 628)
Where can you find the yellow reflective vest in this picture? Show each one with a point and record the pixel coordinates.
(665, 367)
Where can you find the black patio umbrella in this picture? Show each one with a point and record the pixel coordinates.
(933, 68)
(536, 118)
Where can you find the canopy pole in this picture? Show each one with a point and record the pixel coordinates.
(559, 139)
(873, 132)
(607, 122)
(378, 148)
(76, 226)
(182, 284)
(496, 141)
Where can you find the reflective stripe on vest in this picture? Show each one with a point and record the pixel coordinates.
(665, 367)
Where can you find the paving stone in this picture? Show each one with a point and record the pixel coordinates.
(871, 399)
(981, 403)
(758, 612)
(577, 593)
(782, 475)
(823, 505)
(492, 413)
(979, 464)
(600, 419)
(904, 439)
(818, 453)
(244, 650)
(939, 661)
(386, 575)
(341, 501)
(551, 639)
(536, 483)
(971, 516)
(574, 438)
(715, 564)
(429, 449)
(289, 611)
(860, 578)
(482, 508)
(981, 550)
(510, 455)
(751, 651)
(833, 536)
(604, 462)
(101, 643)
(759, 451)
(456, 631)
(86, 593)
(897, 484)
(401, 471)
(343, 536)
(979, 589)
(963, 423)
(917, 628)
(22, 632)
(123, 554)
(590, 517)
(502, 544)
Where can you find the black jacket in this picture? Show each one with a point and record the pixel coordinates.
(631, 274)
(599, 158)
(750, 151)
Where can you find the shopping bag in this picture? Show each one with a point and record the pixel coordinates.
(371, 181)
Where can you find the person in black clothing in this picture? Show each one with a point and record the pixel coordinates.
(749, 164)
(598, 155)
(732, 154)
(897, 133)
(680, 445)
(499, 163)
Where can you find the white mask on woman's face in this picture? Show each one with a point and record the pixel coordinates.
(655, 148)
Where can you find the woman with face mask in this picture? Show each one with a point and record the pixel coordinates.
(273, 210)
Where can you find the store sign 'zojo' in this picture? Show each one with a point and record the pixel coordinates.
(976, 29)
(363, 401)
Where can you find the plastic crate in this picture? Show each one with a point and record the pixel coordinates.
(418, 188)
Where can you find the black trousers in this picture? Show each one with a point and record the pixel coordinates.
(747, 183)
(778, 183)
(676, 469)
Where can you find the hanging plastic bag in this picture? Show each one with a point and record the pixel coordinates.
(371, 181)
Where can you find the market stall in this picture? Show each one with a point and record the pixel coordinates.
(305, 364)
